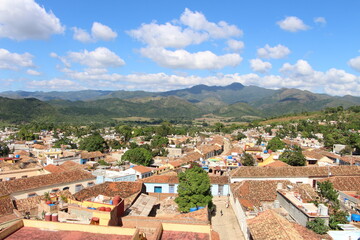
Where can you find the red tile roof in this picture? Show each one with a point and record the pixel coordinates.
(311, 171)
(347, 183)
(142, 169)
(24, 184)
(6, 205)
(161, 179)
(269, 225)
(88, 155)
(110, 189)
(277, 163)
(53, 169)
(219, 179)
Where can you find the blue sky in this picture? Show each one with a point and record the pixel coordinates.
(163, 45)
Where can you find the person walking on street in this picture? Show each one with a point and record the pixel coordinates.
(221, 213)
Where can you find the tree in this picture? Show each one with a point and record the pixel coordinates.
(164, 129)
(259, 141)
(293, 157)
(247, 160)
(125, 131)
(94, 142)
(159, 142)
(275, 144)
(338, 217)
(193, 189)
(240, 136)
(139, 156)
(64, 141)
(317, 225)
(4, 150)
(114, 144)
(327, 191)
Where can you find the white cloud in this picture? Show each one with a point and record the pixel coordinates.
(101, 57)
(198, 21)
(99, 32)
(81, 35)
(300, 68)
(355, 63)
(292, 24)
(235, 45)
(33, 72)
(25, 19)
(260, 66)
(167, 35)
(276, 52)
(320, 20)
(186, 60)
(14, 61)
(55, 84)
(102, 32)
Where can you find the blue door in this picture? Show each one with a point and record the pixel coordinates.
(158, 189)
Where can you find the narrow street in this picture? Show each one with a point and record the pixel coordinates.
(226, 225)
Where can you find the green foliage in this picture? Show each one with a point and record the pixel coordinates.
(64, 141)
(125, 131)
(327, 191)
(193, 189)
(103, 163)
(114, 144)
(94, 142)
(318, 226)
(293, 157)
(4, 149)
(159, 142)
(275, 144)
(247, 160)
(139, 156)
(338, 217)
(26, 134)
(240, 136)
(164, 129)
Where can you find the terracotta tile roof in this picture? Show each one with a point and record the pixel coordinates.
(312, 154)
(24, 184)
(177, 163)
(87, 155)
(253, 149)
(269, 225)
(142, 169)
(8, 217)
(27, 204)
(348, 183)
(6, 205)
(191, 157)
(39, 146)
(53, 169)
(219, 180)
(217, 140)
(22, 153)
(205, 149)
(71, 166)
(161, 179)
(110, 189)
(276, 163)
(311, 171)
(256, 191)
(351, 159)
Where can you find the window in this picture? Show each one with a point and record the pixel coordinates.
(0, 179)
(55, 190)
(12, 178)
(78, 187)
(171, 188)
(24, 176)
(158, 189)
(66, 188)
(32, 195)
(90, 184)
(221, 190)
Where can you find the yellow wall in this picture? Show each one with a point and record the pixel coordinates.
(90, 204)
(79, 227)
(186, 228)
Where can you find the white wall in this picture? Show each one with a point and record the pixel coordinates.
(291, 179)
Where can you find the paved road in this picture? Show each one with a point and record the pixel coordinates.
(226, 225)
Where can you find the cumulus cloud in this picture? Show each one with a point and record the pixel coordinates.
(25, 19)
(355, 63)
(55, 84)
(198, 21)
(276, 52)
(14, 61)
(101, 57)
(260, 66)
(186, 60)
(192, 28)
(292, 24)
(102, 32)
(320, 20)
(33, 72)
(99, 32)
(235, 45)
(82, 35)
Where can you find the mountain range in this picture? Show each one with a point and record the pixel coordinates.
(242, 103)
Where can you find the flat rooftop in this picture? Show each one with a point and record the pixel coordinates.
(184, 235)
(27, 233)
